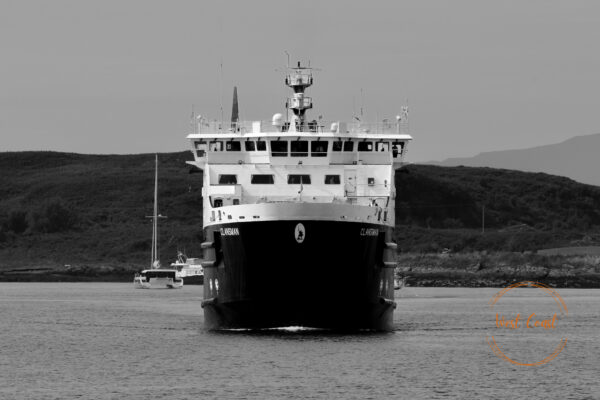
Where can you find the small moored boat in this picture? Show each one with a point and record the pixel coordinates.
(157, 277)
(190, 269)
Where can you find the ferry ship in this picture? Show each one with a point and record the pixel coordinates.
(299, 217)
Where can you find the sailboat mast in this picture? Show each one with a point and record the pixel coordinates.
(155, 215)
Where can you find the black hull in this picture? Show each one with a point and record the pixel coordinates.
(338, 275)
(193, 280)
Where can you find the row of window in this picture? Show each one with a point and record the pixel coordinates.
(269, 179)
(299, 148)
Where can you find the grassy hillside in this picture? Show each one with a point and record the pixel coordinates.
(453, 197)
(442, 207)
(62, 208)
(107, 198)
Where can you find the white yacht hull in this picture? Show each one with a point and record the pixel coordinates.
(157, 283)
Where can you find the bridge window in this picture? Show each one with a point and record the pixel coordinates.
(261, 145)
(397, 149)
(298, 179)
(337, 145)
(233, 146)
(218, 203)
(299, 148)
(318, 148)
(200, 146)
(227, 179)
(263, 179)
(382, 146)
(332, 179)
(279, 148)
(349, 145)
(249, 145)
(365, 146)
(216, 146)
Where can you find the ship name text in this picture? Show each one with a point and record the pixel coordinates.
(369, 232)
(230, 232)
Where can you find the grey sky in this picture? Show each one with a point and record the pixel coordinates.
(121, 76)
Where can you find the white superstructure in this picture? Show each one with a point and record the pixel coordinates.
(334, 169)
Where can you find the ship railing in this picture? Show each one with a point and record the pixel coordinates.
(385, 127)
(315, 126)
(374, 191)
(300, 199)
(370, 188)
(372, 199)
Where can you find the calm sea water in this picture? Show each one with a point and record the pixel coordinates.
(109, 341)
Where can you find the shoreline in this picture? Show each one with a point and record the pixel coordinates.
(420, 270)
(413, 278)
(499, 269)
(83, 273)
(480, 282)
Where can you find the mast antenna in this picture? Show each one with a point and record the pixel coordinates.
(193, 124)
(221, 89)
(362, 103)
(221, 71)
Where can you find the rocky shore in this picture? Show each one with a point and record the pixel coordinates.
(499, 269)
(68, 273)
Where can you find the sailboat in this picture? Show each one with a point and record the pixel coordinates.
(156, 276)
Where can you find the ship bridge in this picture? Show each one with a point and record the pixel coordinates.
(297, 160)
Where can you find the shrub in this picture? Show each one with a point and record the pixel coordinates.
(17, 221)
(53, 216)
(452, 223)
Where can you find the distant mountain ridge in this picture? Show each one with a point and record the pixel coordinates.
(577, 158)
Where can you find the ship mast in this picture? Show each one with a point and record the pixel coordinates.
(298, 78)
(235, 114)
(154, 257)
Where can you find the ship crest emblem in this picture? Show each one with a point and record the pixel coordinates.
(299, 233)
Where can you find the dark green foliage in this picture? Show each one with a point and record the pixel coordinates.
(17, 221)
(440, 208)
(438, 197)
(53, 215)
(109, 195)
(100, 203)
(424, 240)
(428, 200)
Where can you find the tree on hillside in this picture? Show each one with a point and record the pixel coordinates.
(53, 216)
(17, 221)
